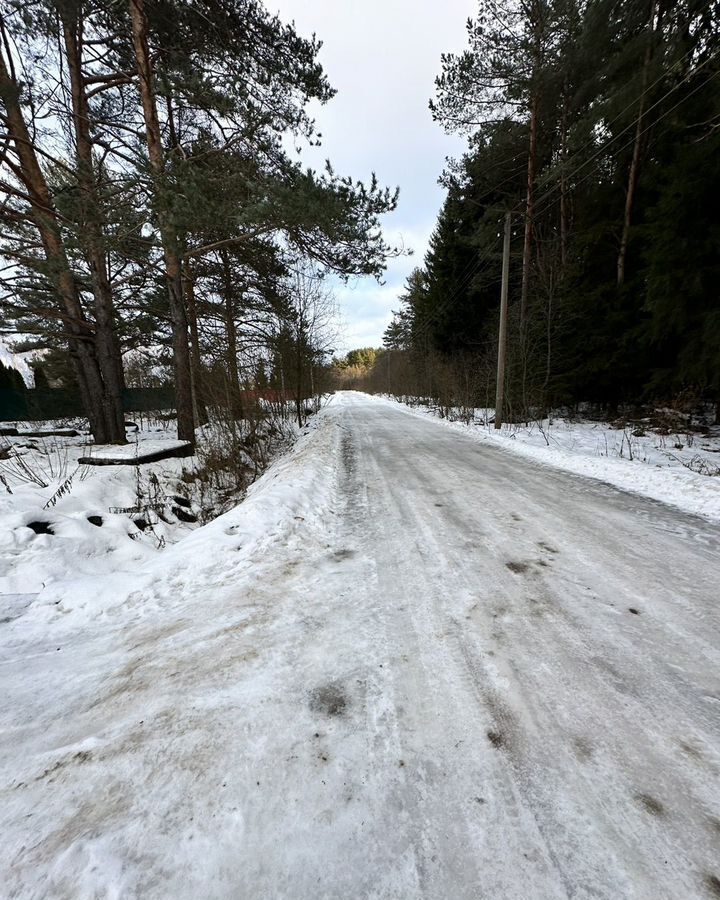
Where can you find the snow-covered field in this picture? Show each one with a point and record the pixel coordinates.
(406, 666)
(100, 519)
(681, 468)
(62, 519)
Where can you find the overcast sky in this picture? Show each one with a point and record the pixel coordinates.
(382, 57)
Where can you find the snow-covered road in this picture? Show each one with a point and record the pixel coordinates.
(443, 672)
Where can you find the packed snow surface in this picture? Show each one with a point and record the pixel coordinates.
(409, 665)
(682, 468)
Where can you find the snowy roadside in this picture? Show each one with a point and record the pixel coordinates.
(295, 493)
(79, 563)
(652, 465)
(73, 533)
(114, 679)
(60, 519)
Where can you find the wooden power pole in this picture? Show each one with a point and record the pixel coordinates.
(502, 330)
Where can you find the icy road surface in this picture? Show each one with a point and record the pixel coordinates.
(410, 665)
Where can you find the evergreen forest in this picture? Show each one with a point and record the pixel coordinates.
(596, 126)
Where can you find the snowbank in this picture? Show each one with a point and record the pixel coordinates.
(98, 543)
(125, 686)
(62, 520)
(295, 491)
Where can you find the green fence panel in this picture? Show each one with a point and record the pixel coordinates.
(35, 405)
(13, 406)
(149, 399)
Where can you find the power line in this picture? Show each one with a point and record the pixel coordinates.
(634, 123)
(475, 267)
(628, 143)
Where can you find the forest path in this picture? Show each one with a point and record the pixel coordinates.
(470, 677)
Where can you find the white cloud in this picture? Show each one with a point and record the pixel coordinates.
(383, 56)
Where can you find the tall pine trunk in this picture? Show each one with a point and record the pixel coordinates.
(634, 172)
(107, 346)
(236, 399)
(299, 386)
(529, 212)
(168, 233)
(80, 338)
(528, 246)
(564, 197)
(198, 388)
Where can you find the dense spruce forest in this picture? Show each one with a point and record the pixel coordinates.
(597, 126)
(155, 223)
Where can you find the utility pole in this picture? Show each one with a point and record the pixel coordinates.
(502, 330)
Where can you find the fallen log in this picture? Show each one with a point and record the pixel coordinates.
(136, 454)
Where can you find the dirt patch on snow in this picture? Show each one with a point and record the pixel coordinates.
(330, 700)
(651, 805)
